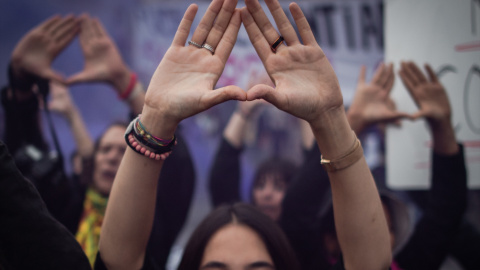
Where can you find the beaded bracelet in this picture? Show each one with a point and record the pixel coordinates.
(140, 144)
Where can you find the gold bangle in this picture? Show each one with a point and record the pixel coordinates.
(345, 161)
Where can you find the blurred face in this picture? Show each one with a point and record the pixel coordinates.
(107, 158)
(268, 195)
(236, 247)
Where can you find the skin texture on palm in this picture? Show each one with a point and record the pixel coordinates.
(35, 52)
(372, 103)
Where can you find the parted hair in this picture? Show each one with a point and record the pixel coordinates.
(275, 240)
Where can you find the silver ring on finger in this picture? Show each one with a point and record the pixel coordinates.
(194, 44)
(208, 47)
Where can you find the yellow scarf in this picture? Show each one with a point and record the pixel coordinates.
(88, 233)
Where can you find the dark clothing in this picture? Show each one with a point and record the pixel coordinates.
(434, 233)
(224, 183)
(30, 238)
(300, 212)
(64, 197)
(432, 236)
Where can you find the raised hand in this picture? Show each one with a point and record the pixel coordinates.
(429, 94)
(183, 82)
(61, 101)
(36, 51)
(372, 103)
(306, 85)
(103, 62)
(432, 101)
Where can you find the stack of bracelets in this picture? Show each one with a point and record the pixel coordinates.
(144, 143)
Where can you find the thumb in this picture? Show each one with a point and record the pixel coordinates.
(230, 92)
(417, 115)
(79, 78)
(263, 91)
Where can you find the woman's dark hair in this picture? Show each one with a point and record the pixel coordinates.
(281, 169)
(89, 164)
(276, 242)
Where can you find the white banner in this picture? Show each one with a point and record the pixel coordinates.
(445, 34)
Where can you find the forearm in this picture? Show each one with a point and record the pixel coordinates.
(234, 132)
(360, 222)
(80, 134)
(130, 212)
(443, 134)
(131, 206)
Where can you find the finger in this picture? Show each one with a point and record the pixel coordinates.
(263, 91)
(431, 73)
(86, 31)
(390, 78)
(262, 21)
(184, 27)
(45, 26)
(200, 34)
(79, 78)
(302, 25)
(385, 76)
(396, 116)
(98, 28)
(407, 75)
(377, 76)
(407, 81)
(66, 34)
(283, 24)
(61, 24)
(228, 40)
(361, 76)
(223, 94)
(419, 77)
(68, 38)
(221, 23)
(256, 37)
(417, 115)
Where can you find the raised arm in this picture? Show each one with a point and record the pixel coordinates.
(61, 102)
(181, 86)
(433, 235)
(372, 103)
(104, 63)
(307, 87)
(31, 63)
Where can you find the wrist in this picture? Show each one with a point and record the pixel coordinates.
(332, 132)
(121, 79)
(443, 136)
(158, 124)
(356, 121)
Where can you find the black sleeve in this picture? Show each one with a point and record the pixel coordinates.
(300, 211)
(224, 182)
(22, 124)
(30, 238)
(436, 229)
(174, 195)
